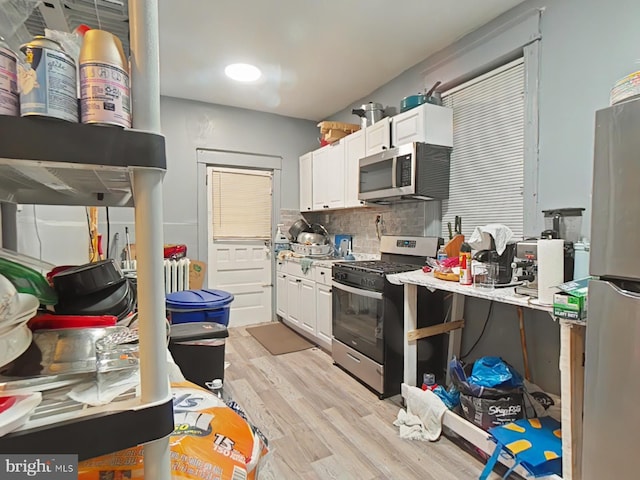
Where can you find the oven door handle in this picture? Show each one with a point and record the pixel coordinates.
(357, 291)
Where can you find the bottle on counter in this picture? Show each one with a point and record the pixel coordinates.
(280, 241)
(442, 254)
(466, 278)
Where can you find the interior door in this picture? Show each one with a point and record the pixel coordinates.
(239, 202)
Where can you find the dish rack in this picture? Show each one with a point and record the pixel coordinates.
(311, 250)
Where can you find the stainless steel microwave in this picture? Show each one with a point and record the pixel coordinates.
(415, 171)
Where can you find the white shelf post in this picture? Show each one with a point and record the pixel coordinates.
(147, 190)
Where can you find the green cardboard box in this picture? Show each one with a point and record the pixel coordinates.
(571, 301)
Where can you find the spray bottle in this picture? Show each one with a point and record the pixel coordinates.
(465, 264)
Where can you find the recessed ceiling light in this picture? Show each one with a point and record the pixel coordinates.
(243, 72)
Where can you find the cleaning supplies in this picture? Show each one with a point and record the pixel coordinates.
(465, 265)
(281, 242)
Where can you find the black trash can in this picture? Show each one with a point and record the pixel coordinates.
(198, 349)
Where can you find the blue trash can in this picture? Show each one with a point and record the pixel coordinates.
(199, 306)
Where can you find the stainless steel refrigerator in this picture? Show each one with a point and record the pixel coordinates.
(612, 359)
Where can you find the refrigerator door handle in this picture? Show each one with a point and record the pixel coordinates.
(622, 291)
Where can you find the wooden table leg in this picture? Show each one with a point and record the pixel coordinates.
(455, 336)
(572, 346)
(410, 324)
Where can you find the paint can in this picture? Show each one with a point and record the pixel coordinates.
(47, 81)
(9, 99)
(104, 80)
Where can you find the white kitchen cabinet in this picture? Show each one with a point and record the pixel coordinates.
(320, 178)
(426, 123)
(354, 150)
(324, 315)
(328, 177)
(306, 182)
(308, 306)
(281, 295)
(303, 301)
(378, 136)
(293, 300)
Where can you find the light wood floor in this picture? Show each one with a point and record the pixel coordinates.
(323, 424)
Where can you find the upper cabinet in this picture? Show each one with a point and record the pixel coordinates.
(328, 177)
(427, 123)
(306, 182)
(354, 150)
(378, 136)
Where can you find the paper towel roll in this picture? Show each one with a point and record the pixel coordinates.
(550, 268)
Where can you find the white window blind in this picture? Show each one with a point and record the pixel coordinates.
(241, 204)
(487, 162)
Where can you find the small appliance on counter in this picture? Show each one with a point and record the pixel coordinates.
(501, 271)
(565, 223)
(525, 266)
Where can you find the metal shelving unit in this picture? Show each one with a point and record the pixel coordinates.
(70, 164)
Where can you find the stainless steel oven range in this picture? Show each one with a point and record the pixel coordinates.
(368, 315)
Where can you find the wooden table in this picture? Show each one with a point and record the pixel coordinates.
(571, 361)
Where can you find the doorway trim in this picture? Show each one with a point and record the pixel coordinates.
(209, 157)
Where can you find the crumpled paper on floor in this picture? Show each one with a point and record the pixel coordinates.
(423, 418)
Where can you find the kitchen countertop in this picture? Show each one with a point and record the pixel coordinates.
(503, 295)
(328, 262)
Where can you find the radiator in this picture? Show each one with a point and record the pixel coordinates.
(176, 275)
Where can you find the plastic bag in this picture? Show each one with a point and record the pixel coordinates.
(451, 397)
(494, 372)
(13, 14)
(487, 407)
(209, 440)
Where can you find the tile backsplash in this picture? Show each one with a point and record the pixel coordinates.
(415, 218)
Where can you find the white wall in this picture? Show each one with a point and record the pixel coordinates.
(187, 125)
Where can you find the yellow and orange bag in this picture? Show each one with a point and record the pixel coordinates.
(209, 441)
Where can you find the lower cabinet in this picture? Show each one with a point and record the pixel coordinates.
(308, 306)
(281, 295)
(323, 312)
(294, 300)
(305, 303)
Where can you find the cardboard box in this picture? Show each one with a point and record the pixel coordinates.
(571, 301)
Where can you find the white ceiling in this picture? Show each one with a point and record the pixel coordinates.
(317, 56)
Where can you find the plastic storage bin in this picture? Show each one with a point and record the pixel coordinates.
(198, 349)
(199, 306)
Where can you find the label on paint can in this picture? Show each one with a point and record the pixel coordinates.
(9, 100)
(48, 84)
(104, 94)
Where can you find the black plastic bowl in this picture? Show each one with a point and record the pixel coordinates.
(87, 279)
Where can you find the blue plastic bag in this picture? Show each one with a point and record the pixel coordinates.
(451, 397)
(494, 372)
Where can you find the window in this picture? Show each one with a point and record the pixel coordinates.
(487, 162)
(241, 203)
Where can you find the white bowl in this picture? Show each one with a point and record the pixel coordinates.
(24, 308)
(8, 293)
(14, 343)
